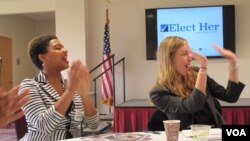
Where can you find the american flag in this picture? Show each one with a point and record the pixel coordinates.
(107, 84)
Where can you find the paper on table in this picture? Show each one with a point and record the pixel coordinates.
(101, 127)
(115, 137)
(214, 133)
(127, 137)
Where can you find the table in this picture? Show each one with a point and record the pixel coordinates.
(142, 136)
(133, 115)
(153, 137)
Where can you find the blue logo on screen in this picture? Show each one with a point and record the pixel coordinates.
(200, 27)
(164, 27)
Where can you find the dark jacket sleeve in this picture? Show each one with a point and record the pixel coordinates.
(230, 94)
(173, 104)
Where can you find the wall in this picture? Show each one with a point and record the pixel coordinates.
(127, 35)
(42, 27)
(26, 6)
(70, 27)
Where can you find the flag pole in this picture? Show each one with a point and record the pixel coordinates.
(107, 21)
(107, 15)
(106, 3)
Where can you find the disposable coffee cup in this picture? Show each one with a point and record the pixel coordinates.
(200, 132)
(172, 128)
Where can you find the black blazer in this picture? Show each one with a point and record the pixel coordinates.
(198, 108)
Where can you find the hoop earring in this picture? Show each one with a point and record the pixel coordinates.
(43, 64)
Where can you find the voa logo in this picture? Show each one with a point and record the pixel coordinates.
(236, 132)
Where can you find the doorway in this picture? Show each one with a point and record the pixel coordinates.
(6, 62)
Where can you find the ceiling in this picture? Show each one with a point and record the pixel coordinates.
(42, 16)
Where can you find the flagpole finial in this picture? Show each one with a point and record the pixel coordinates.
(106, 2)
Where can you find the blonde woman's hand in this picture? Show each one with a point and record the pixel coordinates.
(227, 54)
(201, 59)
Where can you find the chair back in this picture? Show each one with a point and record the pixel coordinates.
(155, 122)
(21, 127)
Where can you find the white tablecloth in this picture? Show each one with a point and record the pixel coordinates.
(215, 134)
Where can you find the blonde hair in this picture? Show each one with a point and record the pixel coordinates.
(168, 78)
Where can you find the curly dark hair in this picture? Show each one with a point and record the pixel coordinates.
(39, 45)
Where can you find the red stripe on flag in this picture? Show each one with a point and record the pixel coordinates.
(107, 84)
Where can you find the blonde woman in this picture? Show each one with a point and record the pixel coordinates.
(187, 93)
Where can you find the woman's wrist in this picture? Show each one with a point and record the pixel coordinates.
(70, 90)
(234, 67)
(203, 68)
(84, 95)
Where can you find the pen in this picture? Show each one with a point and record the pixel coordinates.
(153, 132)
